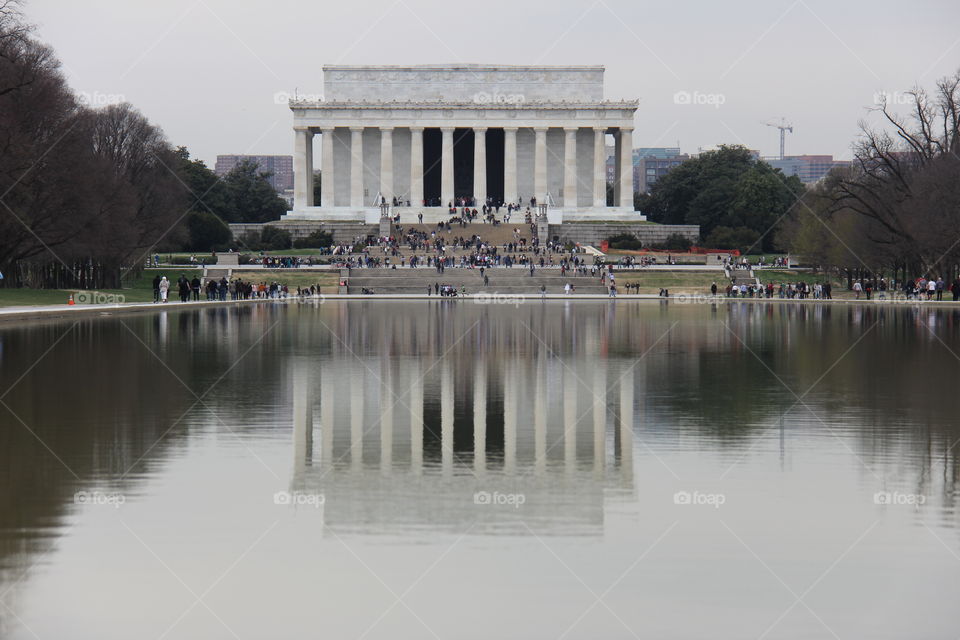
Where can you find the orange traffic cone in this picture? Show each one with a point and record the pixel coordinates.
(70, 301)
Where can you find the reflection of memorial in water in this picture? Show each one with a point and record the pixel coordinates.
(397, 443)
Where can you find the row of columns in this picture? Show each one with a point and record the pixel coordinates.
(303, 166)
(572, 415)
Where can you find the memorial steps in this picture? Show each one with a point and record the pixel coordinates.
(503, 281)
(498, 235)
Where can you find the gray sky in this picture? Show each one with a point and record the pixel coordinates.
(208, 71)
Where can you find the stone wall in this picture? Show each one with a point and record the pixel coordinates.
(593, 233)
(481, 83)
(342, 231)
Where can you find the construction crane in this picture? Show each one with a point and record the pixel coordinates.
(784, 126)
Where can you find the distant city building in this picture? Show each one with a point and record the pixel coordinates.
(652, 163)
(649, 164)
(809, 169)
(280, 166)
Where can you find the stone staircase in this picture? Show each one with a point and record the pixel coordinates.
(503, 281)
(741, 276)
(216, 273)
(497, 235)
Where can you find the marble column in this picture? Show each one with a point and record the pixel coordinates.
(357, 401)
(599, 419)
(480, 165)
(625, 440)
(416, 420)
(327, 195)
(617, 170)
(303, 168)
(540, 410)
(302, 420)
(356, 166)
(540, 165)
(416, 166)
(626, 168)
(510, 404)
(480, 417)
(599, 167)
(327, 394)
(446, 418)
(446, 168)
(386, 416)
(570, 391)
(510, 164)
(570, 168)
(386, 163)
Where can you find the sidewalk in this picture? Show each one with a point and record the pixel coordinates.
(91, 310)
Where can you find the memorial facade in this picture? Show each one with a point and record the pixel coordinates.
(423, 138)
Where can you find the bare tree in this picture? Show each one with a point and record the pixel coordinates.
(77, 185)
(905, 179)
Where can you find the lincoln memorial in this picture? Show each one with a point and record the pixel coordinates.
(422, 138)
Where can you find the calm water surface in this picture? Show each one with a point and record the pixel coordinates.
(451, 470)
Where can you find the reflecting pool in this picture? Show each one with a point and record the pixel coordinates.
(446, 469)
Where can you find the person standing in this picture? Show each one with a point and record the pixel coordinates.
(156, 288)
(164, 288)
(183, 288)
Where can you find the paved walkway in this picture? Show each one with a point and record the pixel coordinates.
(84, 311)
(328, 267)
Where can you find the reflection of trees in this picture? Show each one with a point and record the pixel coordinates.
(895, 388)
(99, 401)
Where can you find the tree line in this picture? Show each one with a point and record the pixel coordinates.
(86, 193)
(893, 212)
(736, 198)
(896, 210)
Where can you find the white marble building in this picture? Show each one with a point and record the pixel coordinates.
(433, 134)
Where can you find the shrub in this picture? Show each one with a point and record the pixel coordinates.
(624, 241)
(740, 238)
(316, 240)
(677, 242)
(275, 239)
(206, 232)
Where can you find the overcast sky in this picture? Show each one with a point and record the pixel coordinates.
(208, 71)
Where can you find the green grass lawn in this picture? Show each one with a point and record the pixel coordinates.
(137, 288)
(676, 282)
(661, 256)
(789, 275)
(328, 280)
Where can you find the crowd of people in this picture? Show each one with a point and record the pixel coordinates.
(791, 290)
(224, 289)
